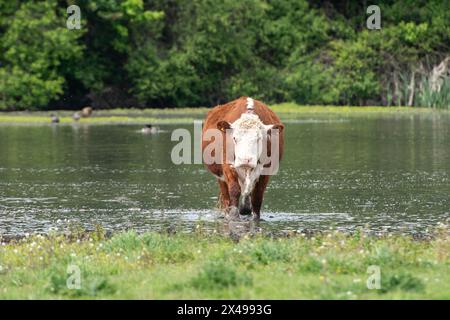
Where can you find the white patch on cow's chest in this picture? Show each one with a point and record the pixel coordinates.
(247, 178)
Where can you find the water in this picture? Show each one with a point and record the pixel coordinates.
(387, 173)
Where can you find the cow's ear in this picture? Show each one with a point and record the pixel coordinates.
(277, 126)
(223, 125)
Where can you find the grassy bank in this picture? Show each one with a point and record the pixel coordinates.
(192, 266)
(186, 115)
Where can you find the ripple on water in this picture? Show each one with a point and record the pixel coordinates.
(387, 174)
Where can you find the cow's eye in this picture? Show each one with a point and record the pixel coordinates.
(234, 139)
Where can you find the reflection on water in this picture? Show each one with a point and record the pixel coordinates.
(388, 174)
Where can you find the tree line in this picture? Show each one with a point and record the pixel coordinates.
(181, 53)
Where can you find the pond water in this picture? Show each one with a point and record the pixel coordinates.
(387, 173)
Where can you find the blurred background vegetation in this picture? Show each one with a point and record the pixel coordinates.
(181, 53)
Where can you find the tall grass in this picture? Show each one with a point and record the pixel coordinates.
(434, 99)
(419, 87)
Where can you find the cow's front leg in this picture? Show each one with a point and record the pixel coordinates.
(234, 191)
(224, 201)
(258, 195)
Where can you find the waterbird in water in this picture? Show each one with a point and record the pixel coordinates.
(86, 112)
(76, 116)
(54, 118)
(148, 128)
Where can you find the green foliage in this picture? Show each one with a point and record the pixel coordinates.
(94, 285)
(218, 274)
(401, 281)
(158, 53)
(353, 67)
(126, 241)
(37, 52)
(434, 99)
(310, 264)
(265, 252)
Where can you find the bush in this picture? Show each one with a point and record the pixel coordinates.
(91, 284)
(266, 252)
(38, 51)
(218, 275)
(401, 281)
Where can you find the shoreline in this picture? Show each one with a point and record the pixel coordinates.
(286, 111)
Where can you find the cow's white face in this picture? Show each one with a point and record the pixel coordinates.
(248, 134)
(248, 145)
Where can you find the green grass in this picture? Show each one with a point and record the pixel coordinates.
(200, 265)
(186, 115)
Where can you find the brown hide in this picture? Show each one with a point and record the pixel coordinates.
(230, 112)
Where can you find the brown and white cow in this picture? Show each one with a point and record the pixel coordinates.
(251, 126)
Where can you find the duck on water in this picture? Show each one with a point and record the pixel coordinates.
(54, 118)
(150, 129)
